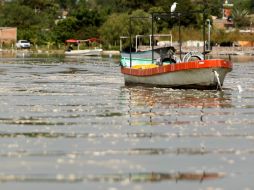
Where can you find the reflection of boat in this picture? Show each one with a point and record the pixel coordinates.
(157, 106)
(159, 177)
(89, 51)
(154, 97)
(163, 68)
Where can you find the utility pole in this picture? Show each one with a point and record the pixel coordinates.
(209, 35)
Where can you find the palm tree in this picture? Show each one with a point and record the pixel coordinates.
(240, 17)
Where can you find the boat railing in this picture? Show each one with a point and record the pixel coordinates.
(176, 15)
(150, 36)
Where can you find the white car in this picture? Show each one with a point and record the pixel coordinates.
(22, 44)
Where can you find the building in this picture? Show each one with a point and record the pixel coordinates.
(8, 35)
(227, 21)
(227, 10)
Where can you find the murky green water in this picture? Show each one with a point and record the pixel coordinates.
(71, 123)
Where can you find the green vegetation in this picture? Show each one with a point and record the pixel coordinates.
(43, 21)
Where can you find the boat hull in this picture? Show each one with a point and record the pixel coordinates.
(88, 52)
(197, 74)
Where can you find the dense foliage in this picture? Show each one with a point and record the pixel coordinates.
(44, 22)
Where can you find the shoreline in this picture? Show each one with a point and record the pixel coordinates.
(216, 50)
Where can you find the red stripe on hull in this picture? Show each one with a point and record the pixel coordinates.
(211, 63)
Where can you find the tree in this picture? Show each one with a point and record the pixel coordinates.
(25, 15)
(243, 4)
(215, 8)
(65, 29)
(114, 27)
(88, 20)
(33, 18)
(240, 17)
(118, 25)
(252, 6)
(38, 5)
(66, 4)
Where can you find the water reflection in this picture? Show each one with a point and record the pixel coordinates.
(169, 106)
(32, 121)
(184, 151)
(113, 178)
(178, 98)
(71, 120)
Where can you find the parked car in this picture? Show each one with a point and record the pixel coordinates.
(23, 44)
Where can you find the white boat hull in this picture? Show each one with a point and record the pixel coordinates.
(200, 74)
(88, 52)
(195, 78)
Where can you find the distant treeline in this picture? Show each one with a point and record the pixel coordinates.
(51, 22)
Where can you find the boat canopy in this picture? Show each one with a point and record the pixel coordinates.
(72, 41)
(89, 40)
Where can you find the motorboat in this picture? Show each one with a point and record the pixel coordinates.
(169, 67)
(90, 50)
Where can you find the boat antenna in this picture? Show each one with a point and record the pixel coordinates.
(204, 26)
(130, 31)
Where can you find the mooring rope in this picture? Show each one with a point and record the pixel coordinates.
(218, 80)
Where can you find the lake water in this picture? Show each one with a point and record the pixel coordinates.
(71, 123)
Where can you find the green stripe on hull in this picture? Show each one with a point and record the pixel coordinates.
(134, 61)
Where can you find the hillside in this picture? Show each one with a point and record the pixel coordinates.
(53, 21)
